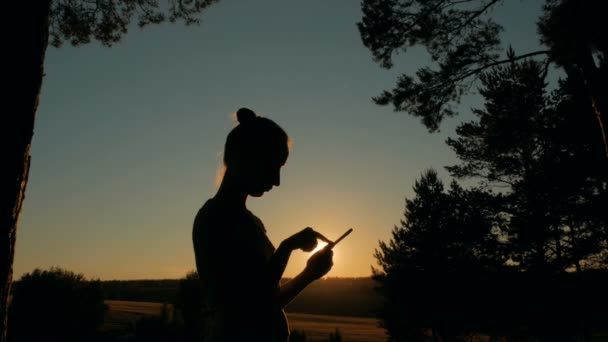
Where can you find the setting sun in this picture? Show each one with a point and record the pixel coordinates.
(320, 246)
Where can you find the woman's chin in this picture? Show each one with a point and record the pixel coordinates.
(259, 192)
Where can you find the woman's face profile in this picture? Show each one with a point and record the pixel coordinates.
(261, 174)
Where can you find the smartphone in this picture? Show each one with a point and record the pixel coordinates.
(340, 238)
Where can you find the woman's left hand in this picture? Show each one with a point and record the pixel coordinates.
(319, 263)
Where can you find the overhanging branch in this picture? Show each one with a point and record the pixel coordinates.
(496, 63)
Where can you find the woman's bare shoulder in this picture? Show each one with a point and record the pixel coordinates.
(207, 217)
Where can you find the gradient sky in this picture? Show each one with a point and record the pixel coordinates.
(128, 139)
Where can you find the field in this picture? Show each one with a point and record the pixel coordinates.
(318, 327)
(122, 314)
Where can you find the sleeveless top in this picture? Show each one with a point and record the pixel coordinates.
(232, 249)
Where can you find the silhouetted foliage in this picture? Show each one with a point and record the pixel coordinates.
(572, 30)
(460, 37)
(55, 305)
(191, 305)
(542, 179)
(297, 336)
(445, 273)
(551, 170)
(463, 41)
(78, 22)
(447, 242)
(335, 336)
(445, 232)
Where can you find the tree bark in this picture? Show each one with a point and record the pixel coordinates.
(597, 93)
(25, 72)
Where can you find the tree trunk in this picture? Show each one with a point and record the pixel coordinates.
(25, 72)
(434, 334)
(591, 76)
(574, 249)
(558, 250)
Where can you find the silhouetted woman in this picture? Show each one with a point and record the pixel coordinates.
(238, 265)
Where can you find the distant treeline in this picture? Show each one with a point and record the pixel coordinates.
(149, 290)
(330, 296)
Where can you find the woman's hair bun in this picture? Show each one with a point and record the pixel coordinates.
(245, 115)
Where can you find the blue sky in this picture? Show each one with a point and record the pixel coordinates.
(128, 139)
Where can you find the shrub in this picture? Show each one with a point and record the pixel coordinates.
(297, 336)
(55, 305)
(190, 305)
(335, 336)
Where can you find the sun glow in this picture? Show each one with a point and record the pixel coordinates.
(320, 246)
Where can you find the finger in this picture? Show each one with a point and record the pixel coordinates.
(322, 253)
(328, 253)
(323, 238)
(310, 247)
(328, 247)
(313, 243)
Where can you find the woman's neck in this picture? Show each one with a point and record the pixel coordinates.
(230, 193)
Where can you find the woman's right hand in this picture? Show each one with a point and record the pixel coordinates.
(319, 263)
(306, 240)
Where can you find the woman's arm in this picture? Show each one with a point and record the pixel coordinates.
(292, 288)
(317, 265)
(306, 240)
(276, 266)
(277, 263)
